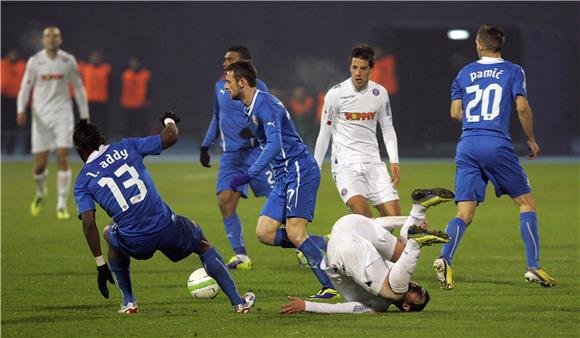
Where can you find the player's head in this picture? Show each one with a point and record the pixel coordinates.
(239, 76)
(489, 38)
(235, 54)
(87, 138)
(362, 61)
(415, 299)
(51, 38)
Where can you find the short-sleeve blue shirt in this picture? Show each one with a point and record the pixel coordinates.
(487, 89)
(116, 178)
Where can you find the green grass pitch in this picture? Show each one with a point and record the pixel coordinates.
(49, 276)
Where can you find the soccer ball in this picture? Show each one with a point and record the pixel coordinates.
(200, 285)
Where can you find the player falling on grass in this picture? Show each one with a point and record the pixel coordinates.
(370, 267)
(297, 176)
(352, 109)
(115, 177)
(482, 94)
(49, 73)
(239, 154)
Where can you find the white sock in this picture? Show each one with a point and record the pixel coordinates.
(401, 272)
(40, 180)
(63, 187)
(416, 217)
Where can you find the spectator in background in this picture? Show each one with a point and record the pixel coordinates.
(301, 106)
(135, 95)
(96, 77)
(11, 75)
(384, 72)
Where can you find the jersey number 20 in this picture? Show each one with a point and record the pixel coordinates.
(483, 96)
(134, 180)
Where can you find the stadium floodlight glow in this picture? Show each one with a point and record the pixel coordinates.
(458, 34)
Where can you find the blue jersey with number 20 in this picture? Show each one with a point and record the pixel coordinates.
(116, 178)
(487, 89)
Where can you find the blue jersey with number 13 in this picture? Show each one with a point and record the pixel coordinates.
(487, 89)
(116, 178)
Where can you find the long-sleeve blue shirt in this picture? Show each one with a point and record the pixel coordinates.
(228, 120)
(270, 122)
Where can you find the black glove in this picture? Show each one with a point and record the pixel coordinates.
(171, 115)
(204, 157)
(246, 133)
(104, 276)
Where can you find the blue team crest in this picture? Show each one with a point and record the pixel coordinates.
(375, 92)
(255, 119)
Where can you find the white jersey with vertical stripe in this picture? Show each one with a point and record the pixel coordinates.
(50, 79)
(350, 116)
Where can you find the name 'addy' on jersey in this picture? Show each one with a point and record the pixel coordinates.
(116, 178)
(487, 89)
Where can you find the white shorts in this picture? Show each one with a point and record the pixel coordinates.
(352, 257)
(370, 180)
(53, 132)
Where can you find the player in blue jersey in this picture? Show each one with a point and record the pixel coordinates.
(115, 177)
(239, 152)
(296, 173)
(482, 94)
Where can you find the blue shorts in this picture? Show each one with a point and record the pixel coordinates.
(294, 193)
(233, 163)
(480, 159)
(177, 241)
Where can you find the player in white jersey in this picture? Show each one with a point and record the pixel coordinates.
(351, 111)
(49, 72)
(371, 268)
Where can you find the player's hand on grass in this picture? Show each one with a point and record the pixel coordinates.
(534, 150)
(396, 174)
(169, 115)
(296, 305)
(104, 276)
(204, 157)
(241, 179)
(21, 119)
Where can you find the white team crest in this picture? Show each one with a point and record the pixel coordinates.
(255, 119)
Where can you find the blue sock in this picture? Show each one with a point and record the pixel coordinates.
(120, 267)
(282, 240)
(531, 238)
(320, 241)
(233, 227)
(455, 229)
(315, 256)
(215, 268)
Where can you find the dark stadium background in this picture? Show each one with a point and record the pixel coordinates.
(307, 43)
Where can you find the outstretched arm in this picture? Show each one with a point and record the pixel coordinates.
(170, 132)
(297, 305)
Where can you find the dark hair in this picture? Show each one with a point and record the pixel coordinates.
(414, 287)
(365, 52)
(243, 51)
(87, 136)
(244, 70)
(491, 37)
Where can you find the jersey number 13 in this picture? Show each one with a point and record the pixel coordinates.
(133, 180)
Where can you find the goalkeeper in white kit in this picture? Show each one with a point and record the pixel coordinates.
(370, 267)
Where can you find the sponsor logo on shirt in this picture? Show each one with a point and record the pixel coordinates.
(360, 116)
(255, 119)
(346, 97)
(49, 77)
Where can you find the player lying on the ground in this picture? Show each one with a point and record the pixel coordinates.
(115, 177)
(371, 268)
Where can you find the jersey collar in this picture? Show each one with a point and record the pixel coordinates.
(488, 60)
(251, 107)
(97, 153)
